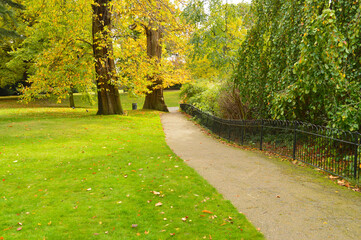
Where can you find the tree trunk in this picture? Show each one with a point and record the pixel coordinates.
(154, 99)
(108, 94)
(71, 99)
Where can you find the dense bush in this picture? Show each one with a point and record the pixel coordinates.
(218, 98)
(203, 94)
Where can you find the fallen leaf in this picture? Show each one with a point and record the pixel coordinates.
(89, 189)
(172, 234)
(134, 225)
(158, 204)
(146, 232)
(96, 234)
(206, 211)
(19, 229)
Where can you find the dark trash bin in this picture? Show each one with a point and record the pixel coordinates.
(134, 106)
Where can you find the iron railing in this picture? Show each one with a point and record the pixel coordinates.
(332, 150)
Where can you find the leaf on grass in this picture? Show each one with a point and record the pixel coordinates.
(89, 189)
(206, 211)
(158, 204)
(19, 229)
(134, 225)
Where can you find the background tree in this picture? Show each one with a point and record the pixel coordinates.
(150, 45)
(57, 52)
(217, 31)
(10, 38)
(7, 18)
(301, 61)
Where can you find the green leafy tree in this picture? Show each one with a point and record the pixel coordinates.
(301, 60)
(218, 30)
(57, 52)
(7, 18)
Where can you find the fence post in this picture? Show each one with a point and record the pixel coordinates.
(294, 140)
(243, 130)
(355, 159)
(229, 132)
(260, 145)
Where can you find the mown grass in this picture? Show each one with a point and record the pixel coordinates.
(171, 98)
(70, 174)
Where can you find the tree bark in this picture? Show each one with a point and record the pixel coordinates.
(108, 93)
(71, 99)
(154, 99)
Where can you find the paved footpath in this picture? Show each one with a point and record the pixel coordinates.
(285, 201)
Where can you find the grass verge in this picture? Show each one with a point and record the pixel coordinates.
(69, 174)
(171, 98)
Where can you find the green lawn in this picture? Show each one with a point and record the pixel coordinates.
(70, 174)
(171, 98)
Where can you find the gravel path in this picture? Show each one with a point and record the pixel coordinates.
(285, 201)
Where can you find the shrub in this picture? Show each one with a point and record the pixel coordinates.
(202, 94)
(231, 104)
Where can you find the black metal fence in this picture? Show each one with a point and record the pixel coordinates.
(332, 150)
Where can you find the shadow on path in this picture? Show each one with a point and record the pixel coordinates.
(286, 202)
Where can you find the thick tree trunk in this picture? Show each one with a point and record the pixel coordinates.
(154, 99)
(108, 94)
